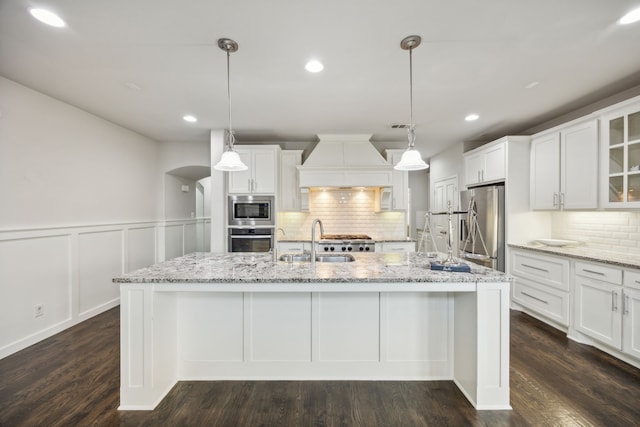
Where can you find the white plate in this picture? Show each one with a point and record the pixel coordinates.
(556, 242)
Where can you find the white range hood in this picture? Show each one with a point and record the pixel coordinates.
(345, 161)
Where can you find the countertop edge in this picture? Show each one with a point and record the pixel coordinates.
(583, 253)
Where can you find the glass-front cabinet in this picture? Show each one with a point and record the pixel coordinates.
(621, 149)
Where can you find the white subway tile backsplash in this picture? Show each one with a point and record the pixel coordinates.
(610, 231)
(344, 211)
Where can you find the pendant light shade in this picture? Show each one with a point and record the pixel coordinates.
(411, 159)
(230, 160)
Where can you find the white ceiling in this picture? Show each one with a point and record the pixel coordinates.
(476, 56)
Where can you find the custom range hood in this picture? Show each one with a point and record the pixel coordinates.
(345, 161)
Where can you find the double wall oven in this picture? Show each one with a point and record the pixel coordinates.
(251, 221)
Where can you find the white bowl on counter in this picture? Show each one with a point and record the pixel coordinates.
(556, 242)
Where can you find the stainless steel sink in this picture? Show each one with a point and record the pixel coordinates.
(295, 257)
(335, 258)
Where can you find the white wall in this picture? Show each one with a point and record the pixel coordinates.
(62, 166)
(80, 203)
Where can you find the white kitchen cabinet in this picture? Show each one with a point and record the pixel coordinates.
(541, 285)
(261, 175)
(395, 246)
(486, 164)
(289, 195)
(293, 247)
(398, 197)
(598, 303)
(564, 168)
(620, 156)
(631, 322)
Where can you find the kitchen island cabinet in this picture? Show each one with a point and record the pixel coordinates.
(244, 316)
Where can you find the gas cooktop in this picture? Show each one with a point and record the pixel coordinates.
(346, 243)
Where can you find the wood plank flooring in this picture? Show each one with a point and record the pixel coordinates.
(73, 379)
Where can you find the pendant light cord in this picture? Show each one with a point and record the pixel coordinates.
(231, 137)
(411, 131)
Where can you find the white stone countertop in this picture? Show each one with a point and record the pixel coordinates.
(584, 253)
(406, 239)
(204, 267)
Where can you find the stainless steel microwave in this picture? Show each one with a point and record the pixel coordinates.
(247, 210)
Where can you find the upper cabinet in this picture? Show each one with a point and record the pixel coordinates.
(486, 164)
(290, 192)
(621, 157)
(261, 177)
(398, 197)
(564, 168)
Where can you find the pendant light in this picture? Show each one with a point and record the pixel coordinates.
(411, 159)
(230, 160)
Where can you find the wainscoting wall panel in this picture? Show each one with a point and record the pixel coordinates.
(68, 272)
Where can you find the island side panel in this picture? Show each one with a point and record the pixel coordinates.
(481, 346)
(148, 356)
(319, 335)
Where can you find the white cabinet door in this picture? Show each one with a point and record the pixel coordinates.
(399, 182)
(289, 195)
(264, 171)
(631, 322)
(240, 182)
(473, 168)
(486, 165)
(579, 167)
(598, 306)
(545, 172)
(260, 177)
(494, 164)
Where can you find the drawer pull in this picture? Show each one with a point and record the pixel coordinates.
(535, 298)
(535, 268)
(614, 301)
(599, 273)
(625, 304)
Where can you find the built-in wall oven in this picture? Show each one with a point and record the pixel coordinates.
(251, 239)
(247, 210)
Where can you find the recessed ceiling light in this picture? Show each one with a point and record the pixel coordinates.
(314, 66)
(631, 17)
(532, 84)
(189, 118)
(472, 117)
(47, 17)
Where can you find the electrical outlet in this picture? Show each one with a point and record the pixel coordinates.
(39, 310)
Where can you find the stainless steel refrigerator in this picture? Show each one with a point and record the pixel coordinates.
(482, 227)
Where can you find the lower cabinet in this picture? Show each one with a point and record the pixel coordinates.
(396, 247)
(592, 301)
(541, 285)
(608, 306)
(293, 247)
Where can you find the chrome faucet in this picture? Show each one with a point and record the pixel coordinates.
(313, 238)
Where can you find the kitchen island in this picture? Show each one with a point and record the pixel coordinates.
(239, 316)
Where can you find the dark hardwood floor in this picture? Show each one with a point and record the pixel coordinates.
(72, 379)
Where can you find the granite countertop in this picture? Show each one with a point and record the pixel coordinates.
(204, 267)
(406, 239)
(585, 253)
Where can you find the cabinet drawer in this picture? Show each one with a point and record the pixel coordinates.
(632, 278)
(551, 271)
(599, 272)
(293, 247)
(545, 301)
(399, 247)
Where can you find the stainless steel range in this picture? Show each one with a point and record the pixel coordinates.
(346, 243)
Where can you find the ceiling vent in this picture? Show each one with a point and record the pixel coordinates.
(400, 126)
